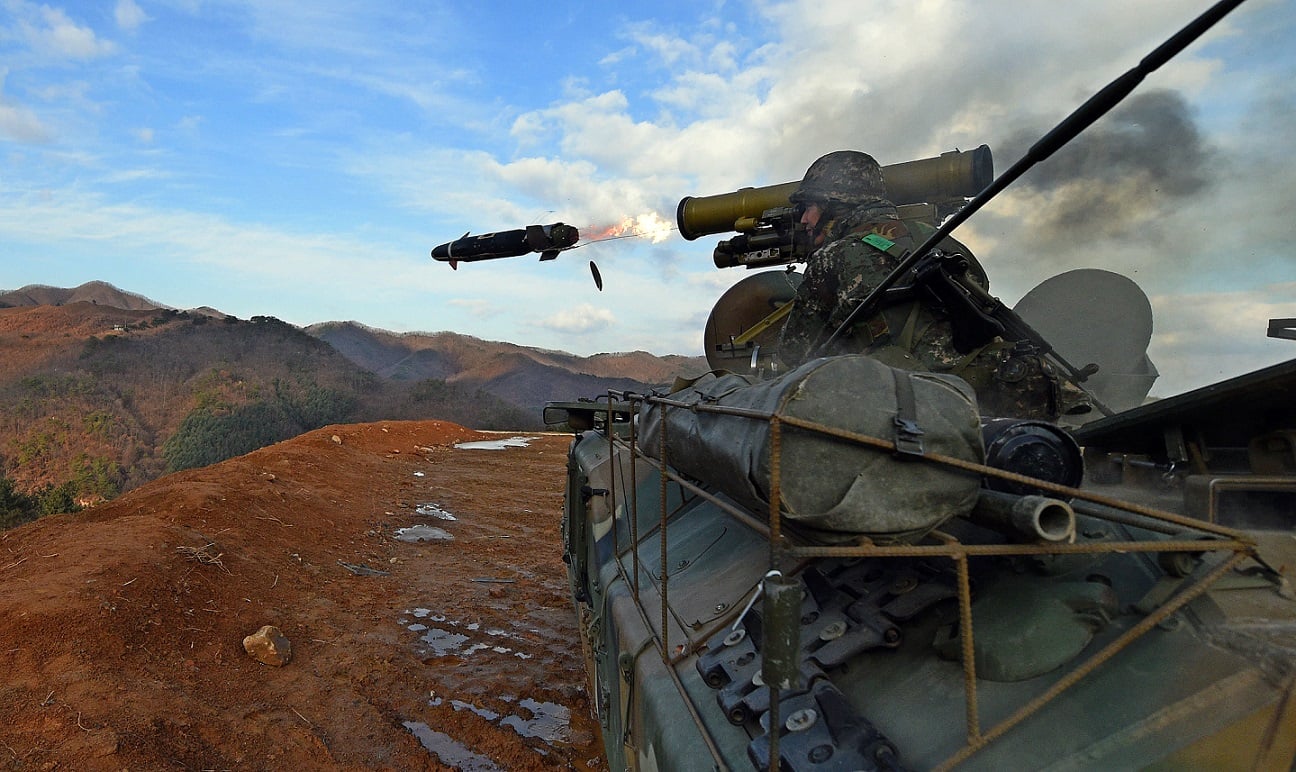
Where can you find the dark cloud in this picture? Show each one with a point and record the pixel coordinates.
(1122, 172)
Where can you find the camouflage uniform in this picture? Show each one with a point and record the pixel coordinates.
(839, 275)
(913, 334)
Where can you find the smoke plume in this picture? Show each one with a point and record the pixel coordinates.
(1121, 173)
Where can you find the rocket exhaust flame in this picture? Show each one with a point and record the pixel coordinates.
(648, 225)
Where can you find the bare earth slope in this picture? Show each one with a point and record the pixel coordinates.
(122, 643)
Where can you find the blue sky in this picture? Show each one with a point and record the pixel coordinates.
(300, 159)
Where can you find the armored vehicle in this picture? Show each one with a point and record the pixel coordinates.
(848, 566)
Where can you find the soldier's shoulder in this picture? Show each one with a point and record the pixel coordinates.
(840, 248)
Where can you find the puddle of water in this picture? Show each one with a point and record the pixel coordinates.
(549, 721)
(450, 751)
(511, 442)
(485, 713)
(421, 533)
(442, 642)
(433, 510)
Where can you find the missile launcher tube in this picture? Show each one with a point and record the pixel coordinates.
(952, 175)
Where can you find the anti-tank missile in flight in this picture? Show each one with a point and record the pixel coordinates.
(548, 240)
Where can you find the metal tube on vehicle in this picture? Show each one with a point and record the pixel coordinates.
(781, 631)
(956, 174)
(1033, 517)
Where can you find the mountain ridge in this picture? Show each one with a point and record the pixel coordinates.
(93, 292)
(636, 365)
(97, 397)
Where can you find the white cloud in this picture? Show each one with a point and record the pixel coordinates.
(20, 124)
(580, 319)
(50, 32)
(440, 180)
(477, 307)
(248, 251)
(671, 50)
(129, 15)
(1205, 337)
(723, 56)
(133, 175)
(616, 57)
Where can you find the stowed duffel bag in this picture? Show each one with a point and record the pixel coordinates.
(831, 489)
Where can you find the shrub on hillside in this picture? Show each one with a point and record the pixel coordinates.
(207, 436)
(213, 433)
(17, 507)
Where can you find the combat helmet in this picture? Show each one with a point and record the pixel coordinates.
(846, 176)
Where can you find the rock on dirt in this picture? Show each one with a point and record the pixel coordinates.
(269, 646)
(122, 651)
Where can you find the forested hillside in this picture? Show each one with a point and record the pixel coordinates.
(95, 400)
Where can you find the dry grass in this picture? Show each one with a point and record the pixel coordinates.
(204, 555)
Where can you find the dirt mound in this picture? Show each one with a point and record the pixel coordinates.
(418, 641)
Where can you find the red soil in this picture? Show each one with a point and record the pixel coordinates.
(122, 642)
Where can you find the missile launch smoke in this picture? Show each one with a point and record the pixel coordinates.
(1123, 171)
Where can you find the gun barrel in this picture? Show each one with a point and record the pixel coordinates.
(545, 239)
(956, 174)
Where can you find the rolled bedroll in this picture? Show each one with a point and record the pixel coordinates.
(831, 489)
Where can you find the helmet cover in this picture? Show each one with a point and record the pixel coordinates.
(846, 176)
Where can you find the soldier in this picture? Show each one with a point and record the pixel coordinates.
(859, 238)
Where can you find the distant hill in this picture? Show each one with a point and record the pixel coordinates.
(93, 292)
(102, 389)
(522, 375)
